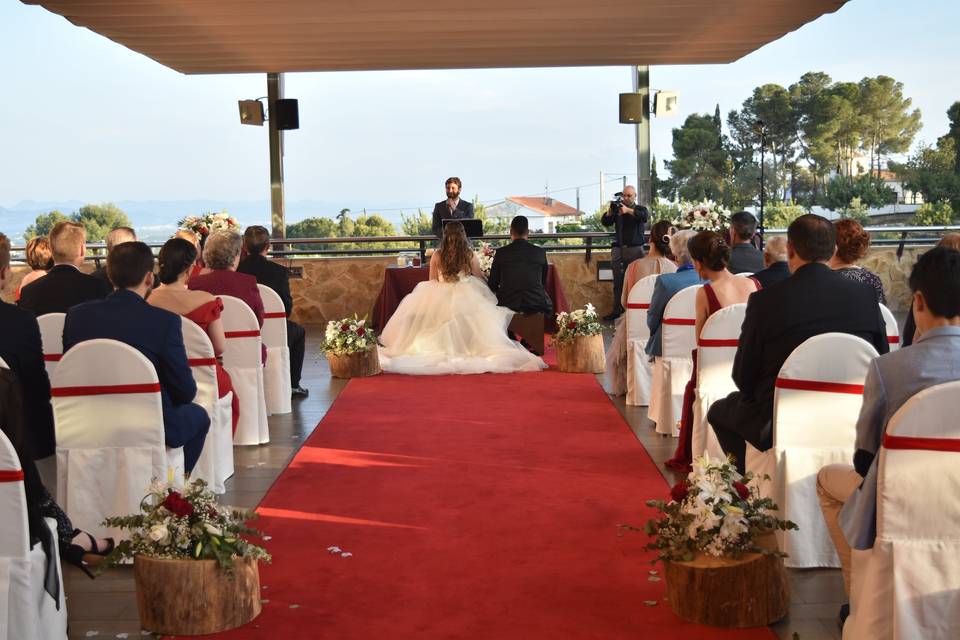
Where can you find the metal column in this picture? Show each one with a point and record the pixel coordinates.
(641, 85)
(278, 215)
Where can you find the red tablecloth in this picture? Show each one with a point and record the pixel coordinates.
(399, 281)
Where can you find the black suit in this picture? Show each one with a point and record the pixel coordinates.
(276, 277)
(22, 350)
(812, 301)
(777, 272)
(63, 287)
(518, 276)
(745, 258)
(441, 212)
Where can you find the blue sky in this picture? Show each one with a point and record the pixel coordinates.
(86, 119)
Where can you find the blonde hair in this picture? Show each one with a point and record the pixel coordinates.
(39, 254)
(189, 236)
(66, 240)
(119, 236)
(776, 249)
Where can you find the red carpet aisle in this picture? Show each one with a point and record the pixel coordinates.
(475, 507)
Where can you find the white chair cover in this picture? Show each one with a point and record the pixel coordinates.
(815, 408)
(51, 335)
(276, 374)
(109, 429)
(908, 585)
(672, 370)
(639, 370)
(215, 464)
(715, 352)
(242, 361)
(893, 331)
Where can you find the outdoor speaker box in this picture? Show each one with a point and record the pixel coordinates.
(251, 112)
(287, 114)
(631, 108)
(665, 104)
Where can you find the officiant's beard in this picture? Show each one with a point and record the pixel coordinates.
(453, 194)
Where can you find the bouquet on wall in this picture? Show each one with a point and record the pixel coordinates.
(187, 523)
(350, 335)
(204, 225)
(581, 322)
(712, 511)
(484, 253)
(705, 215)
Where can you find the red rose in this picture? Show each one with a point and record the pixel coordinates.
(742, 490)
(360, 331)
(177, 505)
(571, 325)
(679, 491)
(344, 328)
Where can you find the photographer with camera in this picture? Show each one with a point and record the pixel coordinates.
(627, 218)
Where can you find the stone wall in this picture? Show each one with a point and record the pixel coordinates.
(339, 287)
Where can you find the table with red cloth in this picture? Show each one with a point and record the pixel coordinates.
(399, 281)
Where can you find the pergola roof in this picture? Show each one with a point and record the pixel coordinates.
(244, 36)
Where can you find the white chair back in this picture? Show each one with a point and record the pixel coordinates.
(277, 372)
(679, 324)
(816, 404)
(716, 350)
(672, 370)
(242, 360)
(893, 331)
(109, 430)
(51, 335)
(906, 586)
(216, 460)
(14, 535)
(638, 301)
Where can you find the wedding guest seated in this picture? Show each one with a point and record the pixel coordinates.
(812, 301)
(659, 260)
(40, 258)
(775, 261)
(64, 285)
(256, 241)
(950, 241)
(26, 419)
(193, 239)
(744, 257)
(848, 494)
(126, 317)
(116, 236)
(177, 258)
(667, 286)
(519, 272)
(711, 256)
(221, 255)
(852, 245)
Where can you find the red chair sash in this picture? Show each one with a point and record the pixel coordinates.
(11, 475)
(271, 315)
(202, 362)
(921, 444)
(893, 339)
(253, 333)
(105, 390)
(52, 357)
(680, 321)
(718, 342)
(819, 385)
(638, 305)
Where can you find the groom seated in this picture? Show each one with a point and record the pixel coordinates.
(519, 273)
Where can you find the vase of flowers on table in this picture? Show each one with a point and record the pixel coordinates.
(705, 215)
(715, 537)
(195, 569)
(207, 223)
(579, 341)
(484, 253)
(351, 348)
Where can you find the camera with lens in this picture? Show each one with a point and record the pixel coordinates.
(616, 202)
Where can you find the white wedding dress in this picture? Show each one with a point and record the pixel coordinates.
(452, 327)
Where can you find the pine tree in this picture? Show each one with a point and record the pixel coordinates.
(654, 181)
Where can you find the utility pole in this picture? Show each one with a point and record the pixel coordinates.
(624, 183)
(578, 201)
(603, 200)
(641, 85)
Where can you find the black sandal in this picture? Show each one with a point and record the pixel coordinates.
(80, 557)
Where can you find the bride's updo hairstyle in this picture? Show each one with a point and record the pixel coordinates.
(710, 250)
(456, 254)
(176, 256)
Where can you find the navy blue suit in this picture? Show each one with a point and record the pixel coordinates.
(126, 317)
(667, 286)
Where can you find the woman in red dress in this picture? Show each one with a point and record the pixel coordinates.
(177, 260)
(194, 239)
(711, 254)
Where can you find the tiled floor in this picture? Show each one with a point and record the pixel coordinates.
(106, 607)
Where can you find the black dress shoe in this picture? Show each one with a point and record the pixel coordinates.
(611, 317)
(843, 615)
(300, 392)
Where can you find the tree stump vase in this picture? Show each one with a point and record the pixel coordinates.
(195, 597)
(582, 355)
(354, 365)
(750, 591)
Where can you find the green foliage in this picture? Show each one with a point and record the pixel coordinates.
(933, 214)
(100, 219)
(868, 189)
(779, 215)
(930, 172)
(313, 228)
(491, 226)
(664, 210)
(855, 209)
(699, 160)
(418, 225)
(44, 223)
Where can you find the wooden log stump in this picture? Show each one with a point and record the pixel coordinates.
(751, 591)
(354, 365)
(583, 355)
(195, 597)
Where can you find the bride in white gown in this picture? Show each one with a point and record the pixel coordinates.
(451, 323)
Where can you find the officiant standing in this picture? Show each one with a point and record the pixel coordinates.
(453, 208)
(627, 218)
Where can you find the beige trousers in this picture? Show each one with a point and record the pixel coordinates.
(835, 484)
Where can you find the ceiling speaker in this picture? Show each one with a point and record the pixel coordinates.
(631, 108)
(286, 114)
(251, 112)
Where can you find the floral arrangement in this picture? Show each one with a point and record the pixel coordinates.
(712, 511)
(186, 523)
(484, 253)
(207, 223)
(349, 335)
(706, 215)
(581, 322)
